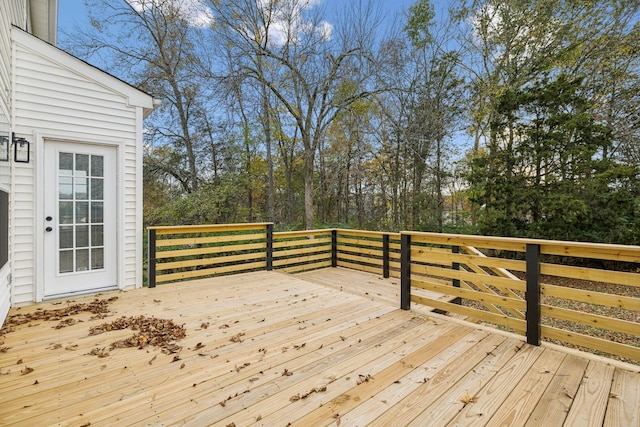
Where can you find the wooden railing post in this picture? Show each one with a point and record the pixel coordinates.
(385, 256)
(269, 254)
(456, 266)
(334, 248)
(533, 293)
(405, 271)
(151, 269)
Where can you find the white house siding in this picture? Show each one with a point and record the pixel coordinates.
(5, 294)
(60, 97)
(11, 12)
(5, 52)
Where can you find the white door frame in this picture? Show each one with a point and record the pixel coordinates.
(39, 188)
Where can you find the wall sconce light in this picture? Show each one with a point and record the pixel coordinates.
(4, 148)
(21, 149)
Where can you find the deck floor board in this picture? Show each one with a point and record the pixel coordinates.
(306, 350)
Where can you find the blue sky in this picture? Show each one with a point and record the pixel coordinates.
(73, 13)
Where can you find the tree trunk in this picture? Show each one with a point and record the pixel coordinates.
(309, 159)
(266, 125)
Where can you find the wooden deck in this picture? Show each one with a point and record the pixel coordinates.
(273, 349)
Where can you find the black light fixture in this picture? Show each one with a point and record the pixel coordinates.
(21, 149)
(4, 148)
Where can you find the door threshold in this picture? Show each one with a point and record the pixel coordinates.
(86, 292)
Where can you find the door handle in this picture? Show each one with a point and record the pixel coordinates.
(48, 229)
(49, 218)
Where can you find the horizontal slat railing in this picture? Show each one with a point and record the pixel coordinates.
(295, 251)
(501, 281)
(516, 284)
(370, 251)
(189, 252)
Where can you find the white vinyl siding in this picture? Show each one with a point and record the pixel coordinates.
(5, 293)
(11, 12)
(22, 225)
(5, 53)
(58, 97)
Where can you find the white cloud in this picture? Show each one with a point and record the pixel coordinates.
(325, 30)
(289, 22)
(193, 11)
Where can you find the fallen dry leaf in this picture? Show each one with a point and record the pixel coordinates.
(97, 307)
(363, 379)
(150, 331)
(100, 352)
(467, 398)
(307, 394)
(236, 337)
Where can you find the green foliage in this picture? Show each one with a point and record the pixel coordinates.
(544, 174)
(208, 205)
(259, 123)
(419, 21)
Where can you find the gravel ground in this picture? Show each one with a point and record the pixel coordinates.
(613, 312)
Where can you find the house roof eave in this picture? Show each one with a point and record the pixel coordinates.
(135, 96)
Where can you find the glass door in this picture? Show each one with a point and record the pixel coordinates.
(80, 232)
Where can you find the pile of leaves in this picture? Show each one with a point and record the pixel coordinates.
(98, 307)
(162, 333)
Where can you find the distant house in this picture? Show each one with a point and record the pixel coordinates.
(70, 166)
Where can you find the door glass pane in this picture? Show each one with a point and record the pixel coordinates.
(97, 212)
(97, 258)
(82, 165)
(65, 187)
(80, 212)
(82, 236)
(82, 259)
(66, 237)
(97, 235)
(82, 185)
(97, 189)
(97, 166)
(66, 164)
(66, 261)
(65, 212)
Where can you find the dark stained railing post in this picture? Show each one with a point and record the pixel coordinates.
(533, 293)
(456, 266)
(269, 254)
(385, 256)
(334, 248)
(151, 269)
(405, 271)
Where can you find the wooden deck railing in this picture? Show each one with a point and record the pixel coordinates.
(454, 264)
(189, 252)
(489, 286)
(369, 251)
(295, 251)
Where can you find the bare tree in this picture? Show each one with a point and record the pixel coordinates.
(301, 59)
(155, 44)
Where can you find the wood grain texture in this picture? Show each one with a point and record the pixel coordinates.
(328, 347)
